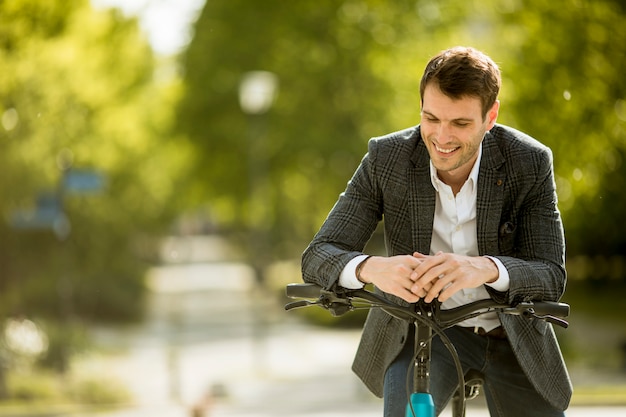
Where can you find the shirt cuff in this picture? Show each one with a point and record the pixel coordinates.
(348, 278)
(503, 282)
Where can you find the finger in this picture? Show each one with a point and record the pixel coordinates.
(444, 288)
(448, 291)
(428, 263)
(431, 295)
(401, 287)
(423, 287)
(438, 285)
(414, 262)
(411, 298)
(430, 276)
(421, 270)
(408, 296)
(421, 292)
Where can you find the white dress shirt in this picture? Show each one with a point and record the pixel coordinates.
(454, 231)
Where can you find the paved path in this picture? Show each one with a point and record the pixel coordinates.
(262, 362)
(180, 412)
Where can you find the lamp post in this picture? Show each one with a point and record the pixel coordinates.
(257, 91)
(256, 96)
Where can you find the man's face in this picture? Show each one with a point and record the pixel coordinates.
(452, 131)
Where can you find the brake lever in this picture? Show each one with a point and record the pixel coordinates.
(551, 319)
(525, 309)
(299, 304)
(338, 305)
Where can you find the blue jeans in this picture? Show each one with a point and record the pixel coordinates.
(507, 390)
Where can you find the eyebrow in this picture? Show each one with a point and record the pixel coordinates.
(460, 119)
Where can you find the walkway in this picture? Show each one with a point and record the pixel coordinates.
(206, 344)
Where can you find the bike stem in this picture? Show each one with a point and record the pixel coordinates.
(421, 376)
(421, 401)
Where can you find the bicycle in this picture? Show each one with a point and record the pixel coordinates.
(429, 319)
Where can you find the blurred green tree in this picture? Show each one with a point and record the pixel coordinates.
(78, 91)
(565, 85)
(332, 61)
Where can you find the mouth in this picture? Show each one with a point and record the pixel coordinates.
(445, 151)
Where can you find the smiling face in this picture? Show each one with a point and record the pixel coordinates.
(452, 130)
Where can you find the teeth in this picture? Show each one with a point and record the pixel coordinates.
(444, 150)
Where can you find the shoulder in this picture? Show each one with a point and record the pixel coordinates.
(513, 140)
(400, 139)
(398, 146)
(516, 148)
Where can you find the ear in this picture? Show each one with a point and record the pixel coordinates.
(492, 114)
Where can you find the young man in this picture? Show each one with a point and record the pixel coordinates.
(470, 212)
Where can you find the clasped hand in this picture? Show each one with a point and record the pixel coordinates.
(416, 276)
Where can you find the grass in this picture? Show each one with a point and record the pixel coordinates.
(599, 395)
(42, 392)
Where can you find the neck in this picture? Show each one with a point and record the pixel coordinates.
(454, 179)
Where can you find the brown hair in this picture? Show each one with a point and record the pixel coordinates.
(462, 71)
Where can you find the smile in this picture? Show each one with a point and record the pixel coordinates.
(445, 150)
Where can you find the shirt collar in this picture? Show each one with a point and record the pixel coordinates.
(473, 176)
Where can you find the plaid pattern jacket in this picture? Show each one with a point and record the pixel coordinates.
(517, 221)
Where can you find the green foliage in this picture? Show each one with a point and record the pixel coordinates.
(95, 390)
(48, 389)
(65, 340)
(26, 387)
(350, 70)
(564, 84)
(77, 91)
(328, 104)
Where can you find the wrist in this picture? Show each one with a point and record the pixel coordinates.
(502, 283)
(359, 270)
(493, 268)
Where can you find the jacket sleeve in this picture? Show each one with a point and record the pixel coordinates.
(348, 227)
(537, 267)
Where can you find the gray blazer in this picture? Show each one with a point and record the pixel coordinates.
(517, 221)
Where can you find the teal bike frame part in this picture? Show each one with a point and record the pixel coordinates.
(421, 405)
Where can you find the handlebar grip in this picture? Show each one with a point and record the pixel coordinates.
(303, 290)
(551, 308)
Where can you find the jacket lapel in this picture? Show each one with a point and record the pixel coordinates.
(421, 199)
(490, 198)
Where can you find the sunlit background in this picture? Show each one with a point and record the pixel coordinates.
(165, 162)
(168, 24)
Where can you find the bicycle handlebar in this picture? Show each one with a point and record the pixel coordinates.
(303, 290)
(340, 302)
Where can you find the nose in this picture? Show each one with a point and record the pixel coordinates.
(443, 133)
